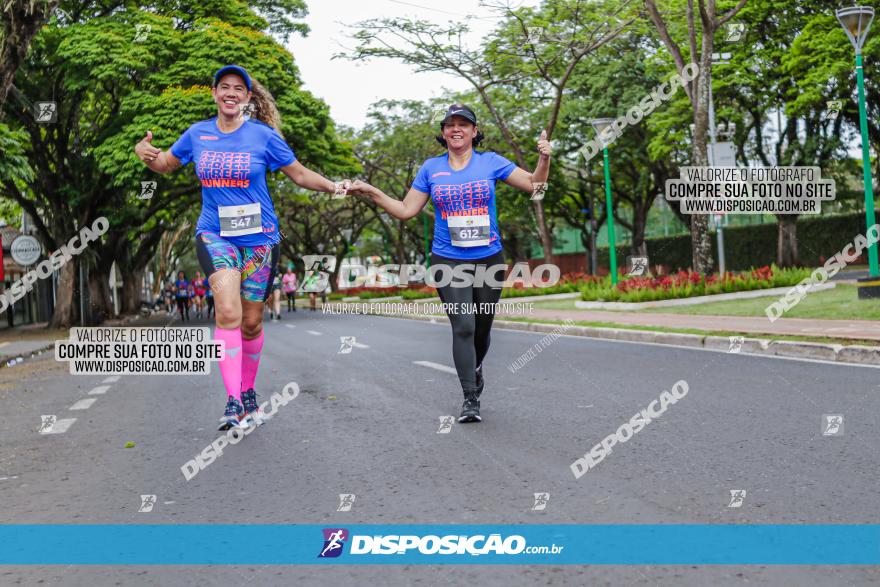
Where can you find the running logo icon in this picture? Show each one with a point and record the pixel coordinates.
(736, 343)
(534, 35)
(737, 496)
(334, 541)
(735, 32)
(148, 188)
(538, 190)
(445, 425)
(45, 112)
(833, 109)
(541, 500)
(147, 503)
(141, 31)
(348, 343)
(346, 500)
(832, 425)
(637, 266)
(318, 270)
(47, 423)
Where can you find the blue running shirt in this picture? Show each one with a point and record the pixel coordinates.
(464, 201)
(232, 170)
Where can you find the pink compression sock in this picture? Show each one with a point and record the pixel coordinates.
(230, 365)
(250, 362)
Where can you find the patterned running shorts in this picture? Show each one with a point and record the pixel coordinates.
(257, 265)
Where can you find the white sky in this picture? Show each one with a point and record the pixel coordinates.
(350, 87)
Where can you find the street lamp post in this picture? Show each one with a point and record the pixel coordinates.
(601, 126)
(856, 21)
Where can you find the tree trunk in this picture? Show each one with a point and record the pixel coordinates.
(786, 244)
(638, 246)
(546, 237)
(594, 247)
(132, 283)
(65, 312)
(100, 303)
(22, 20)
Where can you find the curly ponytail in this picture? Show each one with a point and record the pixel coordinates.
(264, 106)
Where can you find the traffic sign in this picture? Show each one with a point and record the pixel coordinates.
(25, 250)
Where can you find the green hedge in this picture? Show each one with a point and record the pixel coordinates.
(755, 245)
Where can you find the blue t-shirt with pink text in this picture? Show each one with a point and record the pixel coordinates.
(232, 170)
(468, 192)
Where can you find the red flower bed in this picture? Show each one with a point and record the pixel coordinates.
(682, 278)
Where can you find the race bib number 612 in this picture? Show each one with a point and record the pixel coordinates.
(469, 231)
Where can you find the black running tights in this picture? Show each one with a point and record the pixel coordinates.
(470, 328)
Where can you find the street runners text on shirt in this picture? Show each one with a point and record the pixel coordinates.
(397, 308)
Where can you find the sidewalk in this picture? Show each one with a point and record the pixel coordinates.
(849, 329)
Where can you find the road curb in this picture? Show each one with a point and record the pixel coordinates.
(4, 359)
(851, 354)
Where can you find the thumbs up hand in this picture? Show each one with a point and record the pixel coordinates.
(145, 151)
(544, 146)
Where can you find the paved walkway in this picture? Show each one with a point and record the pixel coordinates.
(853, 329)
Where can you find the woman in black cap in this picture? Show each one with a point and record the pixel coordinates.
(461, 185)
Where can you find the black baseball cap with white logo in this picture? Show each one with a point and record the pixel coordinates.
(459, 110)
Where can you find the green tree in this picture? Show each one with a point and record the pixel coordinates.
(111, 85)
(698, 29)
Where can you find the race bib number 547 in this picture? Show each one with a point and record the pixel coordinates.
(240, 220)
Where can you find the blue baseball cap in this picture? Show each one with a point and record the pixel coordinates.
(234, 69)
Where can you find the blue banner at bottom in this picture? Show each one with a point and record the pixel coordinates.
(656, 544)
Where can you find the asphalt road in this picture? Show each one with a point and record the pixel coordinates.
(366, 423)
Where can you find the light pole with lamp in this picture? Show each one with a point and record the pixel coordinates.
(601, 126)
(856, 21)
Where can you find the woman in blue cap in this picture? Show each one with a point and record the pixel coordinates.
(461, 185)
(237, 234)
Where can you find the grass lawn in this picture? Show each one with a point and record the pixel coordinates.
(840, 303)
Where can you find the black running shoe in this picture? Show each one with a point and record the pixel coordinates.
(233, 414)
(252, 409)
(480, 382)
(470, 409)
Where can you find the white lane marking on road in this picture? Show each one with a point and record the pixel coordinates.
(290, 326)
(111, 379)
(60, 426)
(314, 332)
(437, 366)
(99, 390)
(360, 345)
(83, 404)
(5, 478)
